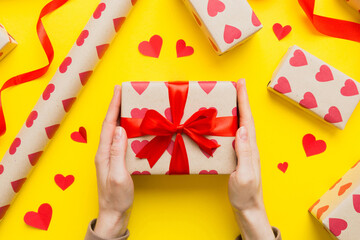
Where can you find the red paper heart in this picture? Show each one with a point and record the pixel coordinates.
(321, 211)
(141, 173)
(214, 7)
(40, 219)
(234, 111)
(51, 130)
(231, 33)
(308, 101)
(205, 153)
(255, 20)
(84, 77)
(136, 145)
(337, 225)
(168, 115)
(65, 64)
(79, 136)
(344, 188)
(67, 103)
(325, 74)
(34, 157)
(313, 146)
(170, 148)
(48, 90)
(15, 144)
(283, 85)
(138, 113)
(350, 88)
(298, 59)
(64, 182)
(335, 184)
(81, 39)
(31, 118)
(118, 22)
(16, 185)
(1, 169)
(205, 172)
(333, 116)
(98, 11)
(280, 31)
(101, 49)
(3, 210)
(182, 50)
(207, 86)
(283, 166)
(151, 48)
(140, 87)
(356, 202)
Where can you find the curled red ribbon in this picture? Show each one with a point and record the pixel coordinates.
(202, 122)
(330, 26)
(30, 76)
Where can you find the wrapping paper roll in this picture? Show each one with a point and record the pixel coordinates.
(58, 97)
(355, 4)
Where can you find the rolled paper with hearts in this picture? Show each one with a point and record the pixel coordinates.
(316, 87)
(180, 127)
(355, 4)
(58, 97)
(7, 42)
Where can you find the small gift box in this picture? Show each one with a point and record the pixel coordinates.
(7, 42)
(226, 23)
(339, 208)
(354, 4)
(316, 87)
(180, 127)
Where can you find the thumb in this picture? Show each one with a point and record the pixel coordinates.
(243, 150)
(117, 152)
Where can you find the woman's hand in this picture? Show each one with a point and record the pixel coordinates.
(115, 185)
(245, 189)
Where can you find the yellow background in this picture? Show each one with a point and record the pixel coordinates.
(177, 207)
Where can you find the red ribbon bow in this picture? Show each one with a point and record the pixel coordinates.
(202, 122)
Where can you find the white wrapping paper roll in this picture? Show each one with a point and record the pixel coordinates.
(58, 97)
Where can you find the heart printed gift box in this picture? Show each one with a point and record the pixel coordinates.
(7, 42)
(226, 23)
(316, 87)
(180, 127)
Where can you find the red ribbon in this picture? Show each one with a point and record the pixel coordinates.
(202, 122)
(330, 26)
(30, 76)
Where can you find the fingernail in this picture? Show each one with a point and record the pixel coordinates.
(243, 133)
(118, 132)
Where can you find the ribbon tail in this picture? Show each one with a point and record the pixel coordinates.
(154, 149)
(179, 163)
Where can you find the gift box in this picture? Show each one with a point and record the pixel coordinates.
(226, 23)
(354, 4)
(7, 42)
(339, 208)
(180, 127)
(316, 87)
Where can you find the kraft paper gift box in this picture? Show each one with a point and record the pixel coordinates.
(7, 42)
(184, 116)
(316, 87)
(226, 23)
(339, 208)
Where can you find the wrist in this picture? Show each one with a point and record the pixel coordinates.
(111, 225)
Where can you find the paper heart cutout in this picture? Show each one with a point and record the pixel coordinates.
(101, 49)
(84, 77)
(1, 169)
(283, 85)
(205, 153)
(67, 103)
(205, 172)
(31, 118)
(65, 64)
(312, 207)
(140, 87)
(170, 148)
(48, 91)
(51, 130)
(321, 211)
(16, 185)
(79, 136)
(283, 166)
(308, 101)
(313, 146)
(231, 33)
(40, 219)
(255, 20)
(325, 74)
(3, 210)
(64, 182)
(182, 50)
(280, 31)
(207, 86)
(350, 88)
(298, 59)
(333, 116)
(197, 19)
(136, 145)
(167, 114)
(356, 202)
(138, 113)
(337, 225)
(332, 187)
(118, 22)
(344, 188)
(34, 157)
(81, 39)
(141, 173)
(15, 144)
(98, 11)
(214, 7)
(151, 48)
(234, 111)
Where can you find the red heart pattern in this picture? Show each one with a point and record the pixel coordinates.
(3, 210)
(40, 219)
(214, 7)
(321, 211)
(140, 87)
(312, 146)
(67, 103)
(168, 114)
(15, 144)
(80, 136)
(182, 50)
(1, 170)
(356, 203)
(213, 45)
(51, 130)
(298, 59)
(170, 148)
(81, 39)
(31, 118)
(141, 173)
(280, 31)
(344, 188)
(333, 116)
(337, 225)
(325, 74)
(48, 91)
(234, 112)
(283, 85)
(205, 153)
(98, 11)
(136, 145)
(308, 101)
(151, 48)
(283, 166)
(16, 185)
(231, 33)
(255, 20)
(207, 86)
(138, 113)
(101, 49)
(84, 77)
(34, 157)
(64, 182)
(350, 89)
(197, 19)
(206, 172)
(65, 64)
(118, 22)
